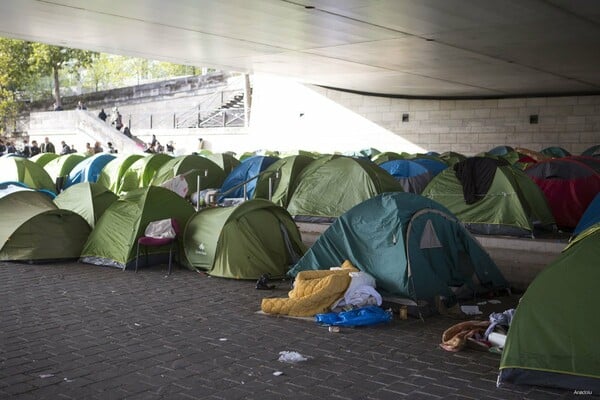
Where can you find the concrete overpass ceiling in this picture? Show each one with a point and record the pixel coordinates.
(456, 48)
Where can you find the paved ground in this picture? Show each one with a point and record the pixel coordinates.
(76, 331)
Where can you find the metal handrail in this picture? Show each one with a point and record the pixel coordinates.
(192, 114)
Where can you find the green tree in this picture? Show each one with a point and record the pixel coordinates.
(14, 76)
(50, 60)
(106, 72)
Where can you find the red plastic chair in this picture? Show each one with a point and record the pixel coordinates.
(147, 241)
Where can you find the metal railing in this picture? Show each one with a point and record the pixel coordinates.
(232, 117)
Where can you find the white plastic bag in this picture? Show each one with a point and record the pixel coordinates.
(161, 229)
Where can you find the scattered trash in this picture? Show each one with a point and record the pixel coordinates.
(263, 283)
(497, 339)
(494, 301)
(471, 310)
(403, 312)
(277, 373)
(291, 357)
(222, 339)
(334, 329)
(44, 376)
(482, 303)
(136, 324)
(68, 380)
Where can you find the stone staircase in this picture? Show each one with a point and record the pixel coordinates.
(79, 127)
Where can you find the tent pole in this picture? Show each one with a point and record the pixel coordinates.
(197, 193)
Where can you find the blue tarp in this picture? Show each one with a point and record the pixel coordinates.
(89, 169)
(433, 166)
(13, 186)
(403, 168)
(365, 316)
(249, 168)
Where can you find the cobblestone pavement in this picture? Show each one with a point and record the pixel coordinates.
(76, 331)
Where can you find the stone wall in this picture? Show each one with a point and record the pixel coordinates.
(473, 126)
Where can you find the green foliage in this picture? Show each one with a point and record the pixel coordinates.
(35, 71)
(50, 60)
(14, 76)
(46, 59)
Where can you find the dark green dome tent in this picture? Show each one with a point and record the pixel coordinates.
(338, 184)
(32, 228)
(18, 169)
(555, 152)
(414, 247)
(553, 337)
(243, 242)
(114, 239)
(388, 156)
(511, 205)
(88, 199)
(226, 161)
(451, 157)
(284, 175)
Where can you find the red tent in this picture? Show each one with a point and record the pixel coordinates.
(570, 184)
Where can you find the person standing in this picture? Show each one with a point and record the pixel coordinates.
(89, 151)
(98, 148)
(35, 149)
(111, 149)
(26, 152)
(102, 115)
(47, 146)
(65, 148)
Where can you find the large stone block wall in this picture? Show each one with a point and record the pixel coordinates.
(473, 126)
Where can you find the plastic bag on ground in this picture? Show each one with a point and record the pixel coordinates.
(291, 357)
(365, 316)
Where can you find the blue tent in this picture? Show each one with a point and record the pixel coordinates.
(590, 217)
(249, 168)
(500, 150)
(14, 186)
(89, 169)
(412, 176)
(433, 166)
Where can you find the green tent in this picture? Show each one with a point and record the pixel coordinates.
(43, 158)
(114, 239)
(451, 157)
(112, 174)
(412, 246)
(22, 170)
(283, 175)
(192, 166)
(552, 340)
(32, 228)
(61, 166)
(338, 184)
(141, 172)
(513, 205)
(388, 156)
(87, 199)
(226, 161)
(243, 242)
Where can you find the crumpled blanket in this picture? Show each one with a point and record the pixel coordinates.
(503, 318)
(314, 292)
(361, 292)
(455, 337)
